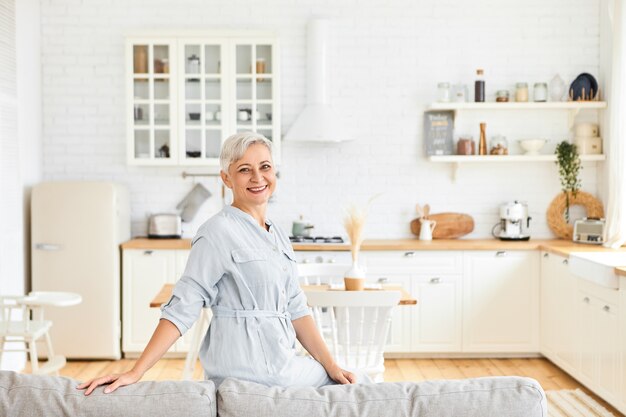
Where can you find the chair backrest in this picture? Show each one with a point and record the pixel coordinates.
(358, 323)
(321, 273)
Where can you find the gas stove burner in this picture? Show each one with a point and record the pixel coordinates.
(316, 239)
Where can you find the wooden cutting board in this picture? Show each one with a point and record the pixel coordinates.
(449, 225)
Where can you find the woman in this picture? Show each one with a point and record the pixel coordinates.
(243, 267)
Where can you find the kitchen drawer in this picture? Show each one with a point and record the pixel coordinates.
(439, 262)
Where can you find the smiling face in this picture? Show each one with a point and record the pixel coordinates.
(252, 178)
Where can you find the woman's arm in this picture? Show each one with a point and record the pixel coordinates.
(164, 336)
(310, 338)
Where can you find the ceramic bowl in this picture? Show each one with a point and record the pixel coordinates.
(531, 146)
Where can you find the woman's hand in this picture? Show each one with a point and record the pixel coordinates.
(116, 381)
(340, 376)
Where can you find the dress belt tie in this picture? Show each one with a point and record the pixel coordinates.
(219, 311)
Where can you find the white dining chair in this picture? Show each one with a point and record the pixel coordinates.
(321, 273)
(22, 322)
(359, 323)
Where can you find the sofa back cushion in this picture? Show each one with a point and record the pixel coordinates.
(39, 395)
(479, 397)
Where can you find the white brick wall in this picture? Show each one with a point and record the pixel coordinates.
(387, 57)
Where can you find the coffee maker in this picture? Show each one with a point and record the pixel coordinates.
(514, 222)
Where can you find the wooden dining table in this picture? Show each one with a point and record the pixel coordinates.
(405, 299)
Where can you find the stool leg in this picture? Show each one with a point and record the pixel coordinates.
(50, 351)
(34, 361)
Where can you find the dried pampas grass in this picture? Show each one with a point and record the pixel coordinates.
(354, 222)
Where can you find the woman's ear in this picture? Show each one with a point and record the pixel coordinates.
(226, 179)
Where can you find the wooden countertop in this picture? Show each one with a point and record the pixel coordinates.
(166, 292)
(560, 247)
(556, 246)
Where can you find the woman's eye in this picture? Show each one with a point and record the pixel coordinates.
(244, 170)
(266, 166)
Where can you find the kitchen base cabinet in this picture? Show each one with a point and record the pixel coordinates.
(144, 274)
(501, 301)
(559, 333)
(599, 339)
(437, 317)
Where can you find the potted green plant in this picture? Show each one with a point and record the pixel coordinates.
(569, 167)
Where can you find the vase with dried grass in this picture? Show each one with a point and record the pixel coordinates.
(354, 222)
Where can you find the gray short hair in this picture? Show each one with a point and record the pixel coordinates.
(236, 145)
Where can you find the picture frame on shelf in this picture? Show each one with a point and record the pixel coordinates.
(439, 132)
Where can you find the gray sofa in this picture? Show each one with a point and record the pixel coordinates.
(34, 396)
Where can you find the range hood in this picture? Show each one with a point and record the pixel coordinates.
(318, 122)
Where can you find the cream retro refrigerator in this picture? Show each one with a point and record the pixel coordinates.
(76, 230)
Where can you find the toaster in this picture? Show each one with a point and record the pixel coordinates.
(589, 230)
(164, 226)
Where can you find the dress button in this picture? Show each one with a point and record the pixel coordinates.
(284, 268)
(275, 249)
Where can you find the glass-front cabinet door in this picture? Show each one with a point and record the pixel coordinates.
(201, 101)
(255, 89)
(151, 121)
(186, 94)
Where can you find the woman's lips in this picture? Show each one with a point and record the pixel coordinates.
(257, 190)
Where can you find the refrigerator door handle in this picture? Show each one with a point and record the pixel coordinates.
(48, 246)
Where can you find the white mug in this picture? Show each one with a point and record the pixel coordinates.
(426, 231)
(243, 115)
(209, 116)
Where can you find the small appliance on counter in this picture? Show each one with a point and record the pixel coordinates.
(589, 230)
(514, 221)
(165, 226)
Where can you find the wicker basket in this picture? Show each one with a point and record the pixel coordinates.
(556, 212)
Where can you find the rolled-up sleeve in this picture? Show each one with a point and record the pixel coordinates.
(296, 303)
(197, 288)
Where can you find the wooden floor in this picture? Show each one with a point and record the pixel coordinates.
(549, 376)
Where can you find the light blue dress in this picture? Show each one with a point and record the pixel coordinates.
(248, 277)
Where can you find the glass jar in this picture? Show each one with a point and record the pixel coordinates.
(460, 93)
(465, 146)
(540, 92)
(502, 96)
(499, 145)
(443, 92)
(521, 92)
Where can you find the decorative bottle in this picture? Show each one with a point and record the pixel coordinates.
(479, 87)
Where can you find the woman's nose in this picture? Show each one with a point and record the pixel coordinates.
(256, 175)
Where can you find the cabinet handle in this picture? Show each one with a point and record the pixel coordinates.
(565, 261)
(383, 280)
(409, 254)
(501, 253)
(545, 255)
(435, 280)
(147, 252)
(606, 308)
(586, 300)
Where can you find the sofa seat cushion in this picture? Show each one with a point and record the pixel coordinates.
(479, 397)
(38, 395)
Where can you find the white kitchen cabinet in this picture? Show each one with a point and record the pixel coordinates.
(501, 301)
(187, 92)
(598, 332)
(434, 324)
(144, 274)
(559, 332)
(550, 305)
(436, 320)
